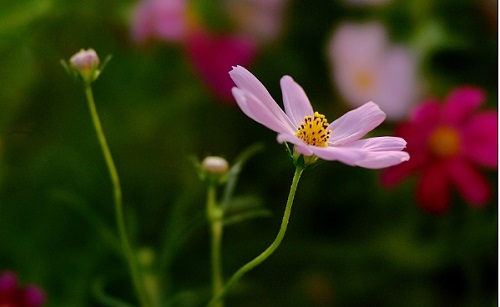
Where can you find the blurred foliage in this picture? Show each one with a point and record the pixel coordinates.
(350, 242)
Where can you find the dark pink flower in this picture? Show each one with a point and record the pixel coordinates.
(13, 295)
(449, 143)
(213, 55)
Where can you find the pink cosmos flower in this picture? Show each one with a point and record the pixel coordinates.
(448, 144)
(12, 294)
(310, 132)
(366, 67)
(164, 19)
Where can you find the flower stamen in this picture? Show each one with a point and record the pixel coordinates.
(313, 130)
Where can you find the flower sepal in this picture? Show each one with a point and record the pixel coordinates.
(301, 161)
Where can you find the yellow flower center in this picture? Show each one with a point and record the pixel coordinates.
(444, 142)
(364, 80)
(313, 130)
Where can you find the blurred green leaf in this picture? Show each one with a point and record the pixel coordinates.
(21, 13)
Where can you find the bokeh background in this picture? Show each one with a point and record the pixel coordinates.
(351, 241)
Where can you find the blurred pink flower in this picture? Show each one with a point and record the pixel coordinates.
(260, 20)
(310, 132)
(448, 143)
(213, 55)
(365, 67)
(163, 19)
(13, 295)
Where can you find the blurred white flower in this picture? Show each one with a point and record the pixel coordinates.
(366, 67)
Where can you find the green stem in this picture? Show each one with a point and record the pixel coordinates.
(117, 197)
(215, 215)
(265, 254)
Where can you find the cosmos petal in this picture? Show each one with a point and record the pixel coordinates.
(433, 189)
(295, 101)
(480, 139)
(471, 184)
(460, 104)
(397, 173)
(383, 159)
(370, 153)
(355, 124)
(259, 112)
(258, 99)
(300, 146)
(383, 143)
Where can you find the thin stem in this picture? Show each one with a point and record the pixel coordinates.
(265, 254)
(214, 215)
(117, 197)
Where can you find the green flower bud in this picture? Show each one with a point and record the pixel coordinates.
(215, 165)
(86, 64)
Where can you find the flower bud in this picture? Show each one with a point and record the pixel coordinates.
(86, 64)
(215, 165)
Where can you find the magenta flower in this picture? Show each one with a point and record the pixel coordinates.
(310, 132)
(212, 55)
(13, 295)
(448, 144)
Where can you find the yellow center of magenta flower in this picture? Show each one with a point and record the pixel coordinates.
(444, 142)
(313, 130)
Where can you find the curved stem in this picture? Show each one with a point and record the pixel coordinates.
(117, 197)
(214, 215)
(266, 253)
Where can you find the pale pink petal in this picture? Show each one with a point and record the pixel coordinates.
(160, 19)
(295, 100)
(396, 174)
(471, 184)
(355, 124)
(377, 160)
(300, 146)
(398, 87)
(480, 139)
(433, 189)
(260, 112)
(142, 26)
(171, 19)
(461, 103)
(370, 153)
(262, 100)
(383, 143)
(345, 155)
(357, 42)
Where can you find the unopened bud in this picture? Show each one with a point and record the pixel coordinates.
(86, 63)
(215, 165)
